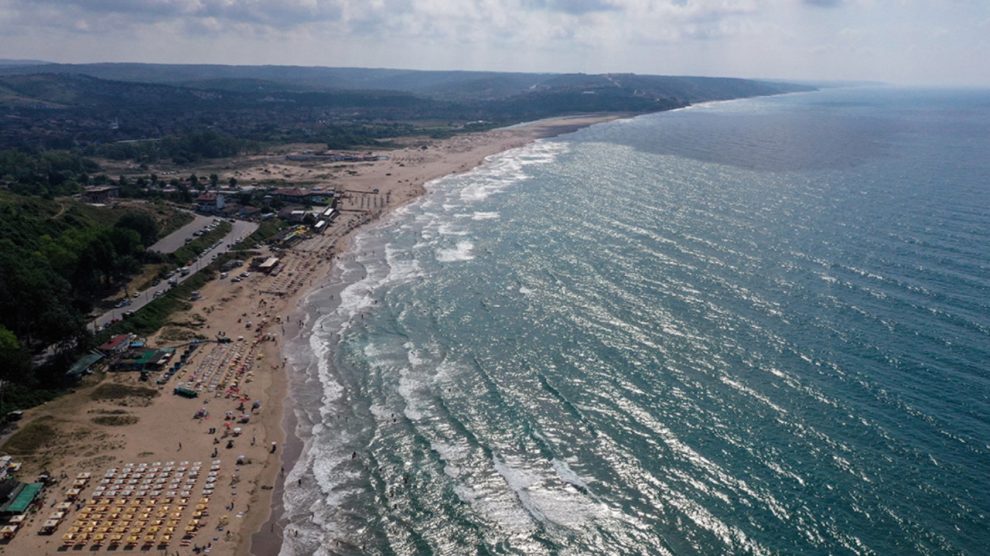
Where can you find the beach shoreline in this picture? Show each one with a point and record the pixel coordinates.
(267, 538)
(240, 424)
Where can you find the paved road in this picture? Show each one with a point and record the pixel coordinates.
(240, 229)
(176, 239)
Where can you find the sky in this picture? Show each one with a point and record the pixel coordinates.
(927, 42)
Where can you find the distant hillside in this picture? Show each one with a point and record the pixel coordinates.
(78, 106)
(10, 62)
(461, 85)
(53, 110)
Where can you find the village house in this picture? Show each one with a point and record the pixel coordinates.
(210, 202)
(100, 194)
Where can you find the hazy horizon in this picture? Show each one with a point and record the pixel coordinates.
(891, 41)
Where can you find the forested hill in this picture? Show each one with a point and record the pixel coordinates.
(79, 106)
(462, 85)
(57, 256)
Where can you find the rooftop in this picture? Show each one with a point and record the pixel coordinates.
(115, 342)
(83, 364)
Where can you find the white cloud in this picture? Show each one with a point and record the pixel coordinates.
(778, 38)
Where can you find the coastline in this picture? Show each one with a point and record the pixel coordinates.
(264, 534)
(113, 421)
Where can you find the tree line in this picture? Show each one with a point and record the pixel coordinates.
(56, 259)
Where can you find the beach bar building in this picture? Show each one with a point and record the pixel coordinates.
(143, 359)
(268, 265)
(83, 365)
(116, 345)
(21, 498)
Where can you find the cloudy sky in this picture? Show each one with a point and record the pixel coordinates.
(939, 42)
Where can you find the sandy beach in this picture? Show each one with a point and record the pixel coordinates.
(114, 423)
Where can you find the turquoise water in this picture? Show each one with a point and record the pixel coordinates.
(760, 326)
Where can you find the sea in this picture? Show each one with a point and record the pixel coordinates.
(759, 326)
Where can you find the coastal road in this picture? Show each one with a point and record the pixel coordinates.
(239, 230)
(176, 239)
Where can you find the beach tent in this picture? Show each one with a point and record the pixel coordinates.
(185, 392)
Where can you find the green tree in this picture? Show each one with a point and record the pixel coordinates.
(14, 359)
(143, 224)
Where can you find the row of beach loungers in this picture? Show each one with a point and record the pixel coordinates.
(290, 277)
(207, 374)
(223, 368)
(142, 505)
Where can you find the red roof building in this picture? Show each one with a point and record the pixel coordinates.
(117, 344)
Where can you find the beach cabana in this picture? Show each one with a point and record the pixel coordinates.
(49, 526)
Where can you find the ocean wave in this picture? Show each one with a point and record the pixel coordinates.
(463, 251)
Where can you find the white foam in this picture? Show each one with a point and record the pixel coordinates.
(498, 172)
(445, 371)
(484, 216)
(567, 474)
(451, 454)
(543, 498)
(414, 355)
(462, 252)
(403, 267)
(448, 230)
(408, 388)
